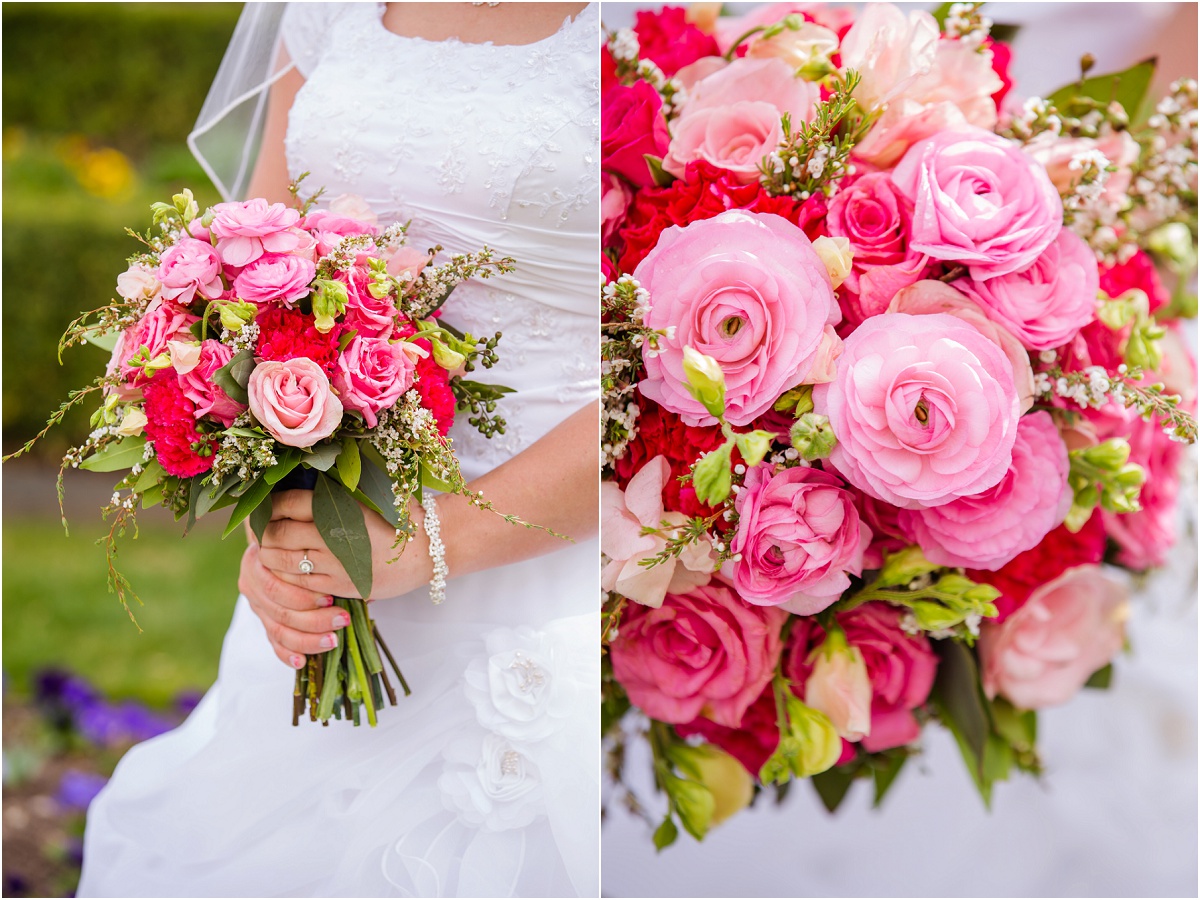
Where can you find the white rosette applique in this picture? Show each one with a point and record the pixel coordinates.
(490, 784)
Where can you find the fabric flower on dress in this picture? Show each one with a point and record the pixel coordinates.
(490, 784)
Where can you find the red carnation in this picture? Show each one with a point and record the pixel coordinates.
(1136, 272)
(705, 191)
(288, 334)
(670, 40)
(171, 427)
(432, 383)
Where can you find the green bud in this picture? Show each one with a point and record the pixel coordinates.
(819, 743)
(380, 289)
(812, 436)
(797, 401)
(207, 219)
(816, 69)
(712, 475)
(932, 616)
(904, 565)
(162, 212)
(1174, 241)
(236, 313)
(329, 301)
(754, 445)
(186, 204)
(725, 778)
(694, 803)
(1108, 456)
(706, 381)
(1116, 313)
(1142, 349)
(445, 357)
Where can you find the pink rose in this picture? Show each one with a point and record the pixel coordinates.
(746, 289)
(275, 277)
(798, 536)
(904, 123)
(370, 316)
(353, 206)
(924, 409)
(1045, 651)
(962, 76)
(632, 127)
(407, 263)
(901, 668)
(198, 385)
(978, 200)
(876, 218)
(614, 200)
(840, 687)
(625, 516)
(293, 401)
(1046, 304)
(330, 228)
(769, 81)
(925, 297)
(372, 373)
(189, 267)
(161, 323)
(701, 653)
(247, 230)
(988, 529)
(138, 283)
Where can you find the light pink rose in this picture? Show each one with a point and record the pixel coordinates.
(368, 315)
(890, 50)
(275, 278)
(840, 687)
(1047, 303)
(924, 409)
(701, 653)
(293, 401)
(904, 123)
(988, 529)
(623, 516)
(759, 80)
(138, 283)
(824, 367)
(247, 230)
(198, 386)
(353, 206)
(746, 289)
(372, 373)
(614, 200)
(980, 201)
(1056, 152)
(798, 536)
(963, 77)
(693, 72)
(876, 218)
(407, 263)
(189, 267)
(330, 229)
(1044, 652)
(925, 297)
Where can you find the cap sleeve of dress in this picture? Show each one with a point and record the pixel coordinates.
(305, 32)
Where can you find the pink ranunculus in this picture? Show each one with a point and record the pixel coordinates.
(746, 289)
(198, 385)
(330, 228)
(275, 278)
(1046, 304)
(189, 267)
(700, 653)
(989, 529)
(900, 665)
(294, 401)
(890, 50)
(624, 516)
(924, 409)
(632, 127)
(161, 323)
(979, 200)
(824, 368)
(370, 316)
(1045, 651)
(925, 297)
(306, 244)
(876, 219)
(798, 536)
(614, 200)
(372, 373)
(734, 138)
(246, 230)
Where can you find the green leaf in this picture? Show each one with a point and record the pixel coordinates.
(1128, 88)
(349, 464)
(246, 432)
(152, 496)
(1101, 678)
(1005, 32)
(151, 475)
(323, 456)
(121, 455)
(1018, 727)
(339, 520)
(885, 774)
(260, 518)
(960, 699)
(290, 459)
(694, 803)
(429, 480)
(209, 496)
(103, 340)
(941, 14)
(665, 834)
(233, 377)
(832, 786)
(194, 489)
(375, 484)
(254, 495)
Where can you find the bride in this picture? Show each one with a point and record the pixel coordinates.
(479, 123)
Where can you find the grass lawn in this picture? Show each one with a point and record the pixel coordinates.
(57, 609)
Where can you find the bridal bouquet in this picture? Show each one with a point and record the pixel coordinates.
(893, 390)
(258, 347)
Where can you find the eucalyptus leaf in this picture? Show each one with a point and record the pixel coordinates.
(885, 774)
(832, 786)
(323, 456)
(206, 502)
(152, 496)
(429, 480)
(1018, 727)
(194, 489)
(260, 518)
(339, 520)
(1128, 88)
(941, 14)
(283, 465)
(349, 465)
(104, 340)
(376, 486)
(246, 432)
(1101, 678)
(152, 474)
(226, 380)
(665, 834)
(121, 455)
(960, 699)
(253, 496)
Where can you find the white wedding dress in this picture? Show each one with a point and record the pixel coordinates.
(485, 781)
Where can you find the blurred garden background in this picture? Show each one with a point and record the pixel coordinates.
(97, 103)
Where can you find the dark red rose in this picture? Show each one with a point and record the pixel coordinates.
(670, 40)
(632, 126)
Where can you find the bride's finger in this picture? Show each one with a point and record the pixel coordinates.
(289, 534)
(292, 505)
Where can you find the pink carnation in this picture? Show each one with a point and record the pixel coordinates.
(987, 530)
(924, 409)
(189, 267)
(275, 278)
(700, 653)
(746, 289)
(247, 230)
(372, 373)
(198, 385)
(798, 536)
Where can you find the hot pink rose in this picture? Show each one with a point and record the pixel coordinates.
(1047, 303)
(614, 200)
(372, 373)
(198, 386)
(1045, 651)
(988, 529)
(876, 218)
(901, 667)
(746, 289)
(924, 409)
(979, 200)
(701, 653)
(293, 401)
(275, 277)
(330, 228)
(161, 324)
(370, 316)
(798, 536)
(632, 127)
(247, 230)
(189, 267)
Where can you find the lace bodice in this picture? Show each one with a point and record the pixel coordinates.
(475, 144)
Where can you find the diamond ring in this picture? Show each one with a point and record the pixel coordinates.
(306, 565)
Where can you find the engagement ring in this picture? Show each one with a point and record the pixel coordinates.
(306, 565)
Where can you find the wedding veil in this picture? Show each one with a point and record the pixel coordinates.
(228, 132)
